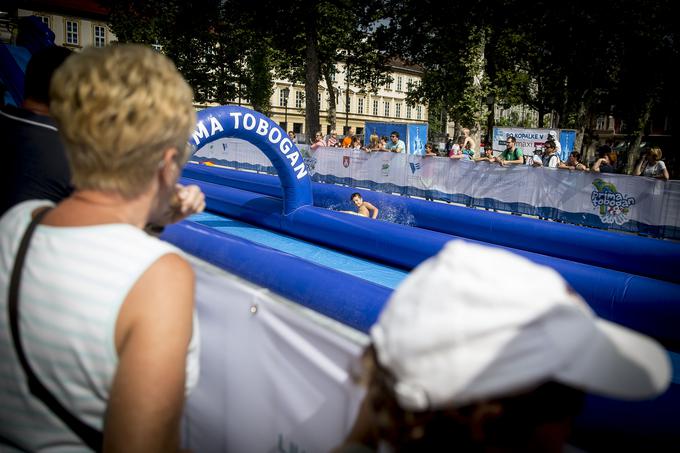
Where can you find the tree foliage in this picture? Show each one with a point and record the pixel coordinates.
(572, 59)
(228, 50)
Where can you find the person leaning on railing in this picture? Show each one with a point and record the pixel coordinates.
(606, 160)
(318, 141)
(512, 154)
(651, 165)
(573, 162)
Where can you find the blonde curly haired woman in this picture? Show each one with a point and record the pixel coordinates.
(106, 312)
(651, 165)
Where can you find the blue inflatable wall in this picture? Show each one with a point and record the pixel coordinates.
(642, 303)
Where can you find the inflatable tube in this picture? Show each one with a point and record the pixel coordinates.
(648, 257)
(239, 122)
(641, 303)
(348, 299)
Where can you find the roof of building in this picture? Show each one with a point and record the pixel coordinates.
(86, 8)
(400, 64)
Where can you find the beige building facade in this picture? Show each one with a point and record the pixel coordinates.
(74, 31)
(354, 105)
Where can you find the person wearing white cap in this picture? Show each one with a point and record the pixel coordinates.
(552, 135)
(465, 365)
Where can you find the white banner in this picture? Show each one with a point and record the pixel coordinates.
(527, 139)
(237, 153)
(582, 197)
(273, 374)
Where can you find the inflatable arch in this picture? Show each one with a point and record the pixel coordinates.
(231, 121)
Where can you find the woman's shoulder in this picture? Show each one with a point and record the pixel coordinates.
(18, 216)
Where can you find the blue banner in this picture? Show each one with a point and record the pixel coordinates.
(385, 129)
(417, 137)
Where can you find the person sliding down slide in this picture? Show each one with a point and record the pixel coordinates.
(364, 208)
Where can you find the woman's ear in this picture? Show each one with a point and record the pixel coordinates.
(168, 166)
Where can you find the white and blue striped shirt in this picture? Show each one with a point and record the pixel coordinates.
(74, 282)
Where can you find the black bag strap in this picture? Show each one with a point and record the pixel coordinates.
(90, 436)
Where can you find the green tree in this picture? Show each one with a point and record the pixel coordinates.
(324, 33)
(212, 42)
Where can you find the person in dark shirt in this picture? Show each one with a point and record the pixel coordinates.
(606, 160)
(35, 164)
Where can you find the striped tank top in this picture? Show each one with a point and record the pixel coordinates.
(73, 284)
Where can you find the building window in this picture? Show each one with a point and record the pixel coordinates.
(348, 107)
(44, 19)
(299, 96)
(408, 111)
(99, 33)
(375, 107)
(387, 108)
(318, 98)
(399, 79)
(388, 85)
(72, 32)
(419, 112)
(409, 85)
(397, 110)
(360, 106)
(282, 98)
(332, 74)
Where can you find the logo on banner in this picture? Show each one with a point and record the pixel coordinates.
(614, 206)
(421, 173)
(310, 162)
(385, 169)
(345, 161)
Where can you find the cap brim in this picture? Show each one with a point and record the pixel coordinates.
(619, 363)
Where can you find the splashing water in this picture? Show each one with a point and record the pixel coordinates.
(395, 214)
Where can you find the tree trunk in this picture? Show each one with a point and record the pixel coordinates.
(581, 129)
(634, 148)
(311, 70)
(332, 115)
(260, 88)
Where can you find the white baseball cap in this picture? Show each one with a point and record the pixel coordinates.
(552, 134)
(465, 327)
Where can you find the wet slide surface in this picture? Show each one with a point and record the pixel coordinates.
(376, 273)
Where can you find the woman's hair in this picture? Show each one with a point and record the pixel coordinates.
(603, 150)
(612, 157)
(119, 108)
(375, 140)
(655, 152)
(577, 156)
(445, 428)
